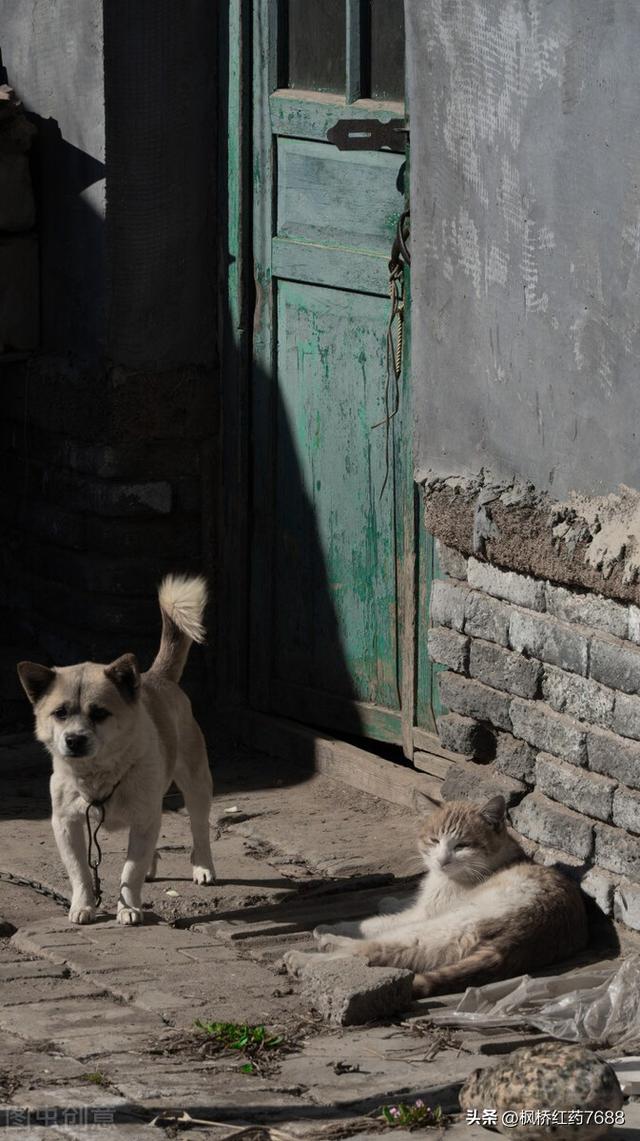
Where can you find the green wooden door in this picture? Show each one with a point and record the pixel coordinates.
(335, 563)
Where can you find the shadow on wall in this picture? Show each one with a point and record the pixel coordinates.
(69, 192)
(256, 597)
(52, 492)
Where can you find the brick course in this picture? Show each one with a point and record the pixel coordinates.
(579, 696)
(551, 707)
(585, 792)
(543, 637)
(548, 731)
(448, 648)
(503, 669)
(473, 699)
(548, 823)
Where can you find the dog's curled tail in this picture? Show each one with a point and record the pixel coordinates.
(182, 601)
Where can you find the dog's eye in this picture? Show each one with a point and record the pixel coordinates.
(97, 713)
(61, 713)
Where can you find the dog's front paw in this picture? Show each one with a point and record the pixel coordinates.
(203, 875)
(130, 916)
(295, 962)
(81, 914)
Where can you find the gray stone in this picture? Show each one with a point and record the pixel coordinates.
(7, 929)
(448, 648)
(348, 992)
(469, 781)
(584, 791)
(617, 851)
(633, 630)
(547, 823)
(626, 904)
(19, 294)
(452, 563)
(578, 696)
(587, 609)
(615, 664)
(548, 731)
(474, 699)
(614, 756)
(600, 888)
(626, 809)
(447, 604)
(17, 209)
(517, 588)
(544, 637)
(626, 716)
(503, 669)
(466, 736)
(487, 618)
(515, 758)
(546, 1075)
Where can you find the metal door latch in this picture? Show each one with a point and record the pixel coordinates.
(369, 135)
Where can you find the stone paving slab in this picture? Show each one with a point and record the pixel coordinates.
(279, 859)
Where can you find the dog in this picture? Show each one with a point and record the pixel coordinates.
(117, 739)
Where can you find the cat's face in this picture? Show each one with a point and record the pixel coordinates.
(465, 842)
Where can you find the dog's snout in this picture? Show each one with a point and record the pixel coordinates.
(77, 743)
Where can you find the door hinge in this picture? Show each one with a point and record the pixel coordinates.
(369, 135)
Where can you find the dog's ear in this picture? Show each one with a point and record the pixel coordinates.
(125, 675)
(35, 680)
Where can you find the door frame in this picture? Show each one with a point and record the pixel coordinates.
(247, 49)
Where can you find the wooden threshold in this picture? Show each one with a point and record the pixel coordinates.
(353, 765)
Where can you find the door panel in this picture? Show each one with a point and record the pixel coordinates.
(320, 196)
(343, 614)
(334, 509)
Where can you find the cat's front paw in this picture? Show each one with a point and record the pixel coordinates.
(328, 940)
(81, 914)
(423, 986)
(130, 916)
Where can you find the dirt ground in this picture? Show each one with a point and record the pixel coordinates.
(98, 1022)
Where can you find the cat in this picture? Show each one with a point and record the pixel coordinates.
(484, 911)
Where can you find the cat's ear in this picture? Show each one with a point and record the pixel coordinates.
(494, 811)
(421, 803)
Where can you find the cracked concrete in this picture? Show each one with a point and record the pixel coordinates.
(91, 1016)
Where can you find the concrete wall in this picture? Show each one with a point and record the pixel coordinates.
(525, 142)
(52, 55)
(109, 432)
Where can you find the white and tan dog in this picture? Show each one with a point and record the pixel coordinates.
(117, 739)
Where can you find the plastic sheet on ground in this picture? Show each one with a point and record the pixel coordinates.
(599, 1004)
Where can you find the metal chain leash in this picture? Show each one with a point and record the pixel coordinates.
(95, 859)
(42, 889)
(400, 257)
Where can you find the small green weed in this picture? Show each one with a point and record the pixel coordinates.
(97, 1078)
(412, 1116)
(251, 1042)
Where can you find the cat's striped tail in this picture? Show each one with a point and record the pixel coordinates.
(479, 967)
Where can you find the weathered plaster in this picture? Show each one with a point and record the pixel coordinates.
(525, 160)
(585, 541)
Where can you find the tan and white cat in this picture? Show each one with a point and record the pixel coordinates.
(484, 911)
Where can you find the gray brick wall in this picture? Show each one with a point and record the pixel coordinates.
(543, 689)
(111, 472)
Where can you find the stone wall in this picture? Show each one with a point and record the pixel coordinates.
(19, 301)
(108, 485)
(541, 684)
